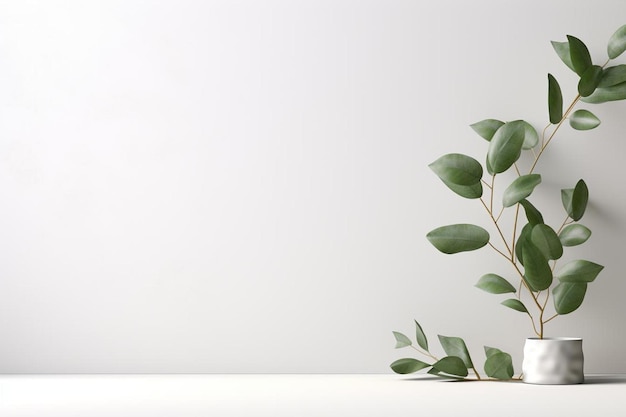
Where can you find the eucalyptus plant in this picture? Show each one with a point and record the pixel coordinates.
(530, 246)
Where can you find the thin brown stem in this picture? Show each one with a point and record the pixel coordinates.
(497, 226)
(534, 327)
(550, 318)
(504, 255)
(499, 215)
(547, 142)
(543, 136)
(425, 353)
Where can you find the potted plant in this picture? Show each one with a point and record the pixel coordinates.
(531, 247)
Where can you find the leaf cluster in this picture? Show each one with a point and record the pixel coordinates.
(536, 246)
(498, 364)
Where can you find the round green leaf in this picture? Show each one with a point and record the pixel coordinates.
(602, 95)
(555, 100)
(467, 191)
(575, 200)
(583, 120)
(613, 75)
(520, 188)
(458, 238)
(436, 372)
(531, 137)
(401, 340)
(451, 365)
(574, 234)
(487, 128)
(581, 60)
(515, 304)
(547, 241)
(455, 346)
(532, 214)
(537, 272)
(408, 366)
(459, 169)
(420, 336)
(579, 271)
(494, 284)
(562, 50)
(523, 240)
(589, 80)
(617, 43)
(490, 351)
(506, 146)
(568, 296)
(499, 366)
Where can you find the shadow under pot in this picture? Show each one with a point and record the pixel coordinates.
(553, 361)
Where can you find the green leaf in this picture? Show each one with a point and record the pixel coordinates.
(537, 272)
(436, 372)
(451, 365)
(515, 304)
(574, 234)
(487, 128)
(617, 43)
(506, 146)
(575, 200)
(401, 340)
(602, 95)
(562, 50)
(499, 366)
(520, 188)
(568, 296)
(408, 366)
(555, 100)
(531, 137)
(583, 120)
(455, 346)
(523, 240)
(490, 351)
(547, 241)
(613, 75)
(494, 284)
(581, 60)
(590, 80)
(457, 238)
(579, 271)
(420, 336)
(532, 214)
(459, 169)
(467, 191)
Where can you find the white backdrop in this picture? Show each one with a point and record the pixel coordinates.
(242, 186)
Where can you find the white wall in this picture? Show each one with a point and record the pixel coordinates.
(242, 186)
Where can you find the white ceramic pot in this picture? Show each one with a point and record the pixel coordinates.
(555, 361)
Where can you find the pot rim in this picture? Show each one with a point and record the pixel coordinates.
(556, 339)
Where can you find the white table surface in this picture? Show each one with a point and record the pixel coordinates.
(301, 396)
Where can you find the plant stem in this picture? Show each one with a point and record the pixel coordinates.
(425, 353)
(499, 251)
(551, 318)
(495, 222)
(545, 145)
